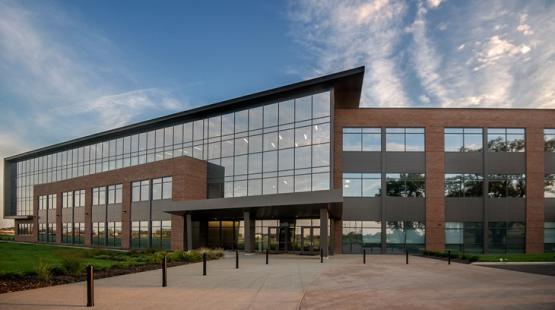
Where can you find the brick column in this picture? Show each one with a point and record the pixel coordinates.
(88, 216)
(435, 179)
(337, 228)
(535, 200)
(59, 229)
(126, 215)
(178, 232)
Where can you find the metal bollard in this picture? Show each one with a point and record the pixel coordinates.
(449, 257)
(407, 256)
(236, 259)
(90, 286)
(164, 272)
(364, 256)
(266, 256)
(321, 256)
(203, 264)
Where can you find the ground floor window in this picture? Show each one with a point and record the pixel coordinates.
(161, 234)
(114, 234)
(43, 235)
(549, 236)
(139, 234)
(361, 234)
(24, 229)
(51, 231)
(225, 234)
(98, 234)
(464, 237)
(67, 232)
(506, 237)
(408, 234)
(78, 233)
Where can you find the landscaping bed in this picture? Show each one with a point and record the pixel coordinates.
(499, 258)
(27, 266)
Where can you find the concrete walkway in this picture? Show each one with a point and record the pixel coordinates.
(291, 282)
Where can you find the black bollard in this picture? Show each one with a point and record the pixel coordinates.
(449, 257)
(236, 259)
(407, 256)
(204, 264)
(266, 256)
(321, 255)
(90, 286)
(364, 256)
(164, 272)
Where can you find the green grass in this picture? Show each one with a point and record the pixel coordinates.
(545, 257)
(21, 259)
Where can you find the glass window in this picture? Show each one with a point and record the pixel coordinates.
(286, 159)
(463, 139)
(362, 185)
(463, 185)
(303, 108)
(286, 139)
(255, 118)
(156, 189)
(270, 141)
(549, 186)
(405, 184)
(321, 105)
(286, 112)
(271, 115)
(506, 140)
(506, 185)
(214, 127)
(405, 139)
(362, 139)
(241, 121)
(321, 133)
(303, 157)
(303, 136)
(549, 140)
(549, 236)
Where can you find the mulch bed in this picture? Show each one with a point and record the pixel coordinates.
(13, 284)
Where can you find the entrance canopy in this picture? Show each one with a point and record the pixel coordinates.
(290, 205)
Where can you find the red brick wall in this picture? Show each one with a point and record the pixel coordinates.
(189, 183)
(434, 120)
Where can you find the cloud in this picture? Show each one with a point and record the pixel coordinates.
(436, 53)
(349, 34)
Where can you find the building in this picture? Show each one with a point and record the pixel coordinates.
(283, 168)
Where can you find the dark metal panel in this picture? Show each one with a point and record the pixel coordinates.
(362, 162)
(157, 210)
(464, 209)
(98, 214)
(42, 216)
(549, 211)
(362, 209)
(67, 215)
(140, 211)
(407, 162)
(549, 162)
(114, 212)
(405, 209)
(51, 216)
(506, 209)
(79, 214)
(463, 162)
(10, 172)
(505, 162)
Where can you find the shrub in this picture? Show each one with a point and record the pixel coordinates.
(72, 264)
(42, 270)
(176, 256)
(192, 256)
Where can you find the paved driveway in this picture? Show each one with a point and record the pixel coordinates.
(291, 282)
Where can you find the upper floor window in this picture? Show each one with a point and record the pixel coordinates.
(404, 139)
(506, 185)
(463, 139)
(549, 186)
(140, 190)
(549, 139)
(463, 185)
(99, 196)
(67, 200)
(362, 184)
(47, 202)
(405, 184)
(114, 193)
(162, 188)
(362, 139)
(79, 198)
(506, 140)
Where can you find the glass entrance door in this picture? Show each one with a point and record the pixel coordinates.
(273, 238)
(310, 240)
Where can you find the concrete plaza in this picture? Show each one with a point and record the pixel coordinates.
(292, 282)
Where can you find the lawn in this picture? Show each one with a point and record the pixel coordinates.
(23, 259)
(545, 257)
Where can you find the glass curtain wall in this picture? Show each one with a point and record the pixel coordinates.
(276, 148)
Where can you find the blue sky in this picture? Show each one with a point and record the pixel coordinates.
(71, 68)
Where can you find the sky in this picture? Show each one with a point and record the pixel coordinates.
(72, 68)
